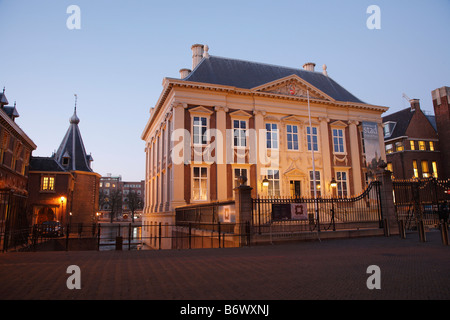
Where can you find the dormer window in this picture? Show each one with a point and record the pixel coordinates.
(389, 128)
(65, 159)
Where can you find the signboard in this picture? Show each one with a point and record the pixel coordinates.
(299, 211)
(289, 211)
(227, 213)
(371, 145)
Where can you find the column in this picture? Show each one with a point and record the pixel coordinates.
(355, 154)
(178, 166)
(221, 151)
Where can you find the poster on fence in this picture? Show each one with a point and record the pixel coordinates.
(299, 211)
(227, 213)
(292, 211)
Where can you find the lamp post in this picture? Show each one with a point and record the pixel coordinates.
(62, 206)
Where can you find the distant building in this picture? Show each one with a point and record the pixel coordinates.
(64, 187)
(413, 146)
(114, 192)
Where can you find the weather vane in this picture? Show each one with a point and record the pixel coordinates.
(76, 97)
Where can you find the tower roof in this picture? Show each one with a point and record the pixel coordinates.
(71, 154)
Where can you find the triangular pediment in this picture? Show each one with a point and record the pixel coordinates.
(201, 110)
(293, 86)
(240, 114)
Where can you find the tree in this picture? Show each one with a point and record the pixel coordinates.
(115, 203)
(134, 202)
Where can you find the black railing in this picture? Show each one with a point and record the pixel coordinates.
(363, 211)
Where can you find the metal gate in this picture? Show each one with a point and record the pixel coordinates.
(421, 202)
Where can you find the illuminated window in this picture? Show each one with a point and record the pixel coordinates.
(431, 146)
(389, 148)
(422, 145)
(48, 183)
(399, 146)
(389, 167)
(311, 183)
(416, 172)
(200, 183)
(425, 170)
(434, 166)
(412, 144)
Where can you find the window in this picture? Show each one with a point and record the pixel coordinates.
(341, 179)
(199, 130)
(48, 183)
(422, 145)
(389, 148)
(238, 172)
(200, 183)
(311, 183)
(412, 145)
(431, 146)
(338, 140)
(311, 136)
(434, 166)
(425, 170)
(389, 128)
(272, 135)
(399, 146)
(240, 133)
(415, 171)
(274, 182)
(292, 137)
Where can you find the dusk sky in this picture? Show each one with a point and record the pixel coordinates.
(117, 61)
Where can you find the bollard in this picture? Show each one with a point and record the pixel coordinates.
(386, 228)
(401, 229)
(444, 233)
(119, 242)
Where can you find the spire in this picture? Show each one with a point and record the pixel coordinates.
(71, 153)
(74, 119)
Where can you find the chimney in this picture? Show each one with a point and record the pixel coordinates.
(184, 73)
(197, 54)
(309, 66)
(415, 104)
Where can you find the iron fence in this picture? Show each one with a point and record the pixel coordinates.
(363, 211)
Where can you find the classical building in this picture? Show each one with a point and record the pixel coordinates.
(413, 149)
(64, 187)
(294, 129)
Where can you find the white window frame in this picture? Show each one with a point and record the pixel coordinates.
(242, 133)
(272, 133)
(311, 136)
(200, 184)
(318, 183)
(342, 188)
(247, 168)
(292, 134)
(339, 140)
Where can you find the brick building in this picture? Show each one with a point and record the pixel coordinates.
(64, 187)
(413, 147)
(441, 105)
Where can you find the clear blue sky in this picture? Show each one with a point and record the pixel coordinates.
(117, 60)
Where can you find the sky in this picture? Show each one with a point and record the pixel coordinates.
(118, 57)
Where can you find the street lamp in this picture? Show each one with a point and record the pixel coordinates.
(265, 182)
(333, 185)
(62, 206)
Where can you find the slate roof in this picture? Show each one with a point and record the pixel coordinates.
(247, 75)
(45, 164)
(402, 119)
(72, 147)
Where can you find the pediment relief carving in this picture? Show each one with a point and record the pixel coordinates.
(292, 86)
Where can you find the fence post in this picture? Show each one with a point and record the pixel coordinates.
(243, 208)
(386, 197)
(129, 237)
(159, 240)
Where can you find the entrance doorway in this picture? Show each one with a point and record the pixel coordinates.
(295, 189)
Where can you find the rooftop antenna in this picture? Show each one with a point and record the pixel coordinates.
(76, 97)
